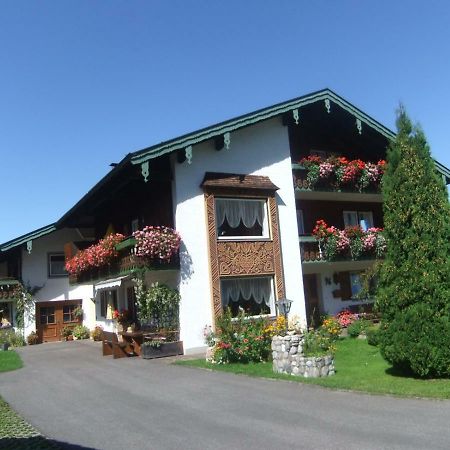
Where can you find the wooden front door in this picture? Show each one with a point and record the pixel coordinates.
(52, 317)
(311, 299)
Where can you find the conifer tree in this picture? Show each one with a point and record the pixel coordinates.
(414, 285)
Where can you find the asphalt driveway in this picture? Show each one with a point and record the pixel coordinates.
(72, 394)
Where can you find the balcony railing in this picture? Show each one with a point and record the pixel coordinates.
(337, 174)
(127, 264)
(310, 250)
(10, 288)
(153, 248)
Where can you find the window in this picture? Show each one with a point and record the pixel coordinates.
(355, 284)
(241, 218)
(362, 218)
(300, 222)
(255, 295)
(68, 313)
(108, 303)
(56, 265)
(47, 315)
(6, 317)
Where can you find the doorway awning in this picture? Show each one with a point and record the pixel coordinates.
(110, 283)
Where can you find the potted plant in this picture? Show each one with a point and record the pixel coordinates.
(67, 333)
(78, 313)
(81, 332)
(159, 347)
(32, 338)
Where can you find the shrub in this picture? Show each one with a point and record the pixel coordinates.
(81, 332)
(242, 339)
(32, 338)
(357, 327)
(417, 340)
(97, 333)
(373, 336)
(15, 339)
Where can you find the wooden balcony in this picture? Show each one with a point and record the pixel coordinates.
(326, 191)
(10, 288)
(126, 264)
(309, 250)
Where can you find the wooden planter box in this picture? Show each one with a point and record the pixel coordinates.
(165, 349)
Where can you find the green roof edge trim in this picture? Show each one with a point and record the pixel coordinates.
(28, 237)
(252, 118)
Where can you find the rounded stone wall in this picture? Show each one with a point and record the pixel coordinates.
(288, 358)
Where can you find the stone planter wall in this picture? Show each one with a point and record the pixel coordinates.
(288, 358)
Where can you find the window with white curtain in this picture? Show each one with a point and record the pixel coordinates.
(255, 295)
(241, 218)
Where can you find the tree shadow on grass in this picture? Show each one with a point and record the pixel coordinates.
(402, 372)
(38, 443)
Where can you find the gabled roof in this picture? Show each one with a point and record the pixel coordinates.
(257, 116)
(28, 237)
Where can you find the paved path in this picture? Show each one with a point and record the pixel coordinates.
(73, 395)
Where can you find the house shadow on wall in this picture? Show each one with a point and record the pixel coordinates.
(186, 267)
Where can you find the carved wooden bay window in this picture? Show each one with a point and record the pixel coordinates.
(244, 243)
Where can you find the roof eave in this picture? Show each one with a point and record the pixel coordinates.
(40, 232)
(252, 118)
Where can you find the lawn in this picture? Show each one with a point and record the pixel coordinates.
(9, 360)
(359, 367)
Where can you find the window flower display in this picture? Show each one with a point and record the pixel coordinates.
(96, 255)
(157, 242)
(351, 242)
(339, 172)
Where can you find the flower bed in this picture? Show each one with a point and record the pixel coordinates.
(351, 242)
(339, 172)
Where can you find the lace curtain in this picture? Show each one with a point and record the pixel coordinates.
(260, 288)
(235, 211)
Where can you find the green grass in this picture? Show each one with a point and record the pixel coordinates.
(9, 360)
(359, 367)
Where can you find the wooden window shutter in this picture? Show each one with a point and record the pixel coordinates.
(346, 288)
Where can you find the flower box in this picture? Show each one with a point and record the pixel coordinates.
(162, 350)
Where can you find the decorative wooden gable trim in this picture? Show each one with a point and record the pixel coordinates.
(242, 258)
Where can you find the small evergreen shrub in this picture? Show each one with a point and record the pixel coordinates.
(373, 336)
(357, 327)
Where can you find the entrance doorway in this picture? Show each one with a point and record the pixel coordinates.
(52, 317)
(311, 300)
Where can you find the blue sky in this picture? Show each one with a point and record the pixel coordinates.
(82, 83)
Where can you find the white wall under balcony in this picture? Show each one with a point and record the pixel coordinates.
(35, 274)
(261, 149)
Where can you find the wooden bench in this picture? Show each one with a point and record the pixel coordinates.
(112, 346)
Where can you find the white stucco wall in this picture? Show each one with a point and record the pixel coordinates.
(35, 274)
(262, 149)
(331, 305)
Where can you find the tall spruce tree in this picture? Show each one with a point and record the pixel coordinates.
(414, 281)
